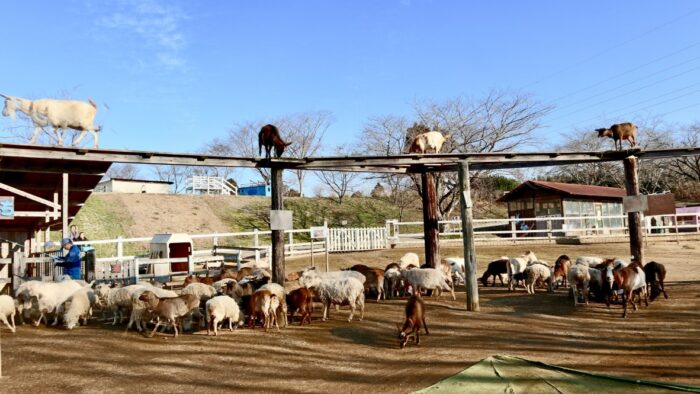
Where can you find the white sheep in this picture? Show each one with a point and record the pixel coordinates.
(59, 114)
(517, 265)
(537, 271)
(279, 292)
(117, 299)
(392, 281)
(337, 291)
(219, 309)
(203, 291)
(50, 295)
(409, 258)
(313, 272)
(78, 306)
(588, 261)
(456, 265)
(7, 310)
(579, 279)
(26, 301)
(427, 279)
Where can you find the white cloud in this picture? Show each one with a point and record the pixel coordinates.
(156, 24)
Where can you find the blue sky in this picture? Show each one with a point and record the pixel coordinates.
(177, 74)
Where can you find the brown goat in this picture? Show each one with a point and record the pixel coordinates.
(415, 318)
(561, 268)
(392, 265)
(619, 132)
(169, 310)
(207, 280)
(374, 279)
(301, 300)
(268, 137)
(263, 305)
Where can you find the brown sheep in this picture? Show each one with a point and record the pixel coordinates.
(301, 300)
(619, 132)
(268, 137)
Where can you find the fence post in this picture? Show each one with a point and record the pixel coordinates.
(120, 248)
(549, 230)
(697, 222)
(675, 224)
(513, 234)
(136, 270)
(215, 240)
(190, 265)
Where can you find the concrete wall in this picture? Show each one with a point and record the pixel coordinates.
(116, 186)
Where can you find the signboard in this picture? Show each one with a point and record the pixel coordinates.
(319, 232)
(7, 208)
(635, 203)
(281, 220)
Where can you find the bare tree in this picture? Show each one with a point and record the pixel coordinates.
(176, 174)
(688, 168)
(123, 171)
(340, 183)
(305, 131)
(242, 141)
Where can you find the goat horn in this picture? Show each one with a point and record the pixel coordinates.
(4, 95)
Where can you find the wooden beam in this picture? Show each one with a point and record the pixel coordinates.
(634, 219)
(64, 206)
(277, 203)
(465, 202)
(430, 220)
(27, 195)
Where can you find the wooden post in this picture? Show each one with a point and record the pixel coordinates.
(277, 235)
(430, 220)
(634, 219)
(64, 206)
(465, 201)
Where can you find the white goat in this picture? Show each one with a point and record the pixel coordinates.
(279, 292)
(517, 265)
(59, 114)
(392, 281)
(428, 279)
(579, 279)
(312, 272)
(337, 291)
(219, 309)
(50, 295)
(220, 285)
(588, 260)
(202, 290)
(409, 259)
(78, 306)
(7, 310)
(537, 271)
(456, 265)
(425, 142)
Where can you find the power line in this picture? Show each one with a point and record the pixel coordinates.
(625, 84)
(604, 51)
(627, 93)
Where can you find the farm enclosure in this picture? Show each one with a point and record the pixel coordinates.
(363, 356)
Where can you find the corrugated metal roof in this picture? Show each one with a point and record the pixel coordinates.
(567, 189)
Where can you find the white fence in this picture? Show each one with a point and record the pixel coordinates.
(210, 185)
(546, 228)
(355, 239)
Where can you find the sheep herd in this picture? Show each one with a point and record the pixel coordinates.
(248, 297)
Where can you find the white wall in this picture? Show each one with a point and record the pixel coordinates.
(116, 186)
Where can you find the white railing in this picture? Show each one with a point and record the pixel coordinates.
(354, 239)
(210, 185)
(541, 228)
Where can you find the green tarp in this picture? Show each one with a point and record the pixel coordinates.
(508, 374)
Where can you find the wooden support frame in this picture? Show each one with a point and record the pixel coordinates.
(465, 202)
(431, 231)
(277, 203)
(64, 206)
(28, 196)
(634, 219)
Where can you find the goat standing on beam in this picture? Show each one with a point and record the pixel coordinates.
(59, 114)
(619, 132)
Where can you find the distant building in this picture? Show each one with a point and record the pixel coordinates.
(119, 185)
(540, 199)
(260, 189)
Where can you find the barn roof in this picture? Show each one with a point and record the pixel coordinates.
(566, 189)
(42, 177)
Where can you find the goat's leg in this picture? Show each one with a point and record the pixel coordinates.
(154, 329)
(663, 290)
(174, 322)
(416, 330)
(37, 130)
(425, 326)
(326, 306)
(352, 311)
(80, 137)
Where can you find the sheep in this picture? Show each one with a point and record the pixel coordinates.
(25, 298)
(59, 114)
(301, 300)
(497, 269)
(588, 261)
(219, 309)
(456, 265)
(169, 309)
(7, 310)
(50, 295)
(537, 271)
(408, 259)
(140, 314)
(312, 272)
(78, 306)
(268, 137)
(392, 281)
(415, 318)
(579, 278)
(336, 290)
(203, 291)
(424, 142)
(518, 265)
(619, 132)
(198, 279)
(374, 279)
(220, 285)
(234, 290)
(279, 292)
(595, 285)
(264, 304)
(428, 279)
(117, 299)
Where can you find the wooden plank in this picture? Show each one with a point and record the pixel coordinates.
(634, 219)
(27, 195)
(470, 268)
(277, 203)
(64, 206)
(430, 220)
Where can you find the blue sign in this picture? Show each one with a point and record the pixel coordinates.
(7, 207)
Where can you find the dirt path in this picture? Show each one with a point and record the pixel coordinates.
(661, 342)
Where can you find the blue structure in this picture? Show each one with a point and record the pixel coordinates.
(255, 190)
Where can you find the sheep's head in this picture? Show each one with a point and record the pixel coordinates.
(310, 278)
(604, 133)
(148, 297)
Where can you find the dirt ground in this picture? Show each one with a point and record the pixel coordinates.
(661, 342)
